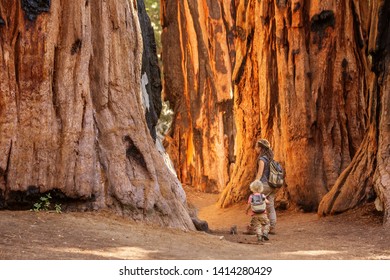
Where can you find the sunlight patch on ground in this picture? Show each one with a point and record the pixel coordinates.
(381, 257)
(133, 253)
(313, 253)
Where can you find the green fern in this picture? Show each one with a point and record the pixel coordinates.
(45, 203)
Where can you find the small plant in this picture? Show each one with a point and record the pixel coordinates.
(37, 207)
(46, 201)
(58, 208)
(44, 204)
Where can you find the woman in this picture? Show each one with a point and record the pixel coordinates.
(263, 148)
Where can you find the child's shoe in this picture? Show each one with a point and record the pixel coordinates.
(265, 236)
(260, 238)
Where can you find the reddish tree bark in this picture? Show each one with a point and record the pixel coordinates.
(309, 86)
(370, 168)
(197, 76)
(304, 77)
(72, 119)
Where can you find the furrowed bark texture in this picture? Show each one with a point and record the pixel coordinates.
(72, 119)
(197, 77)
(371, 166)
(320, 102)
(307, 81)
(310, 76)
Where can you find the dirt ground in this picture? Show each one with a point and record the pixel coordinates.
(29, 235)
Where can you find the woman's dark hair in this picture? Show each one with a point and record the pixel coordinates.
(267, 152)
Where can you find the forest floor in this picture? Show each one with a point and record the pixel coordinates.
(357, 234)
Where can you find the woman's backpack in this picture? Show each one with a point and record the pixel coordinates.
(276, 174)
(258, 204)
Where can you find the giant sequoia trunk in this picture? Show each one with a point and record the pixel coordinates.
(197, 72)
(371, 165)
(302, 78)
(72, 120)
(310, 91)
